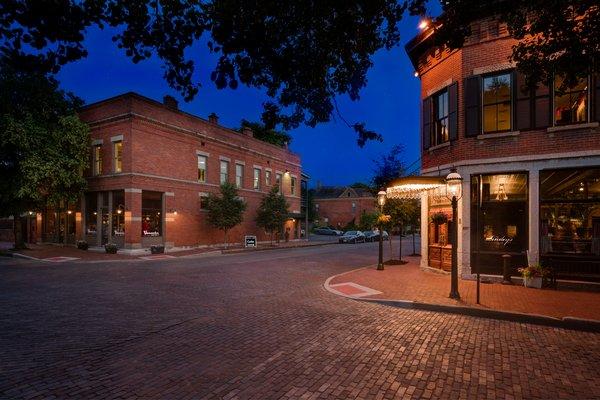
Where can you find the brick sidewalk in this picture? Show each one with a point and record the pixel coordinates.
(409, 282)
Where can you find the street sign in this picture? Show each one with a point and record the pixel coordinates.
(250, 241)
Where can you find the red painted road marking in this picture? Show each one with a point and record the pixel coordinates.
(353, 289)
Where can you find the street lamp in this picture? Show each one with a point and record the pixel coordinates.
(381, 202)
(454, 193)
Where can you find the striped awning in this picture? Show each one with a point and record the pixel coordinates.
(411, 187)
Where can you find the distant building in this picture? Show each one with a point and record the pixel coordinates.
(341, 206)
(529, 158)
(152, 168)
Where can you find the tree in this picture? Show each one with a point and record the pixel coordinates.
(44, 147)
(387, 169)
(278, 138)
(402, 212)
(227, 210)
(555, 36)
(368, 220)
(272, 212)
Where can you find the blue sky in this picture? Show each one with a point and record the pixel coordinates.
(389, 104)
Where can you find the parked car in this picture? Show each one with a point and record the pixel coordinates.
(353, 237)
(373, 236)
(326, 230)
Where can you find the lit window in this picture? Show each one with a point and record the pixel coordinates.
(439, 134)
(497, 102)
(201, 168)
(278, 180)
(224, 171)
(118, 156)
(97, 159)
(239, 175)
(570, 105)
(256, 179)
(293, 186)
(268, 178)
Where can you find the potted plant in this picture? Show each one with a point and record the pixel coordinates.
(438, 218)
(532, 275)
(82, 245)
(157, 249)
(111, 248)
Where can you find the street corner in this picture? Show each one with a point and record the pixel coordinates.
(352, 289)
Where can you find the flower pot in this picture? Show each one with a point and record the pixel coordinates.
(535, 282)
(157, 249)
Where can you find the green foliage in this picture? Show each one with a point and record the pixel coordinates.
(401, 211)
(44, 147)
(272, 212)
(225, 210)
(313, 215)
(368, 220)
(278, 138)
(388, 168)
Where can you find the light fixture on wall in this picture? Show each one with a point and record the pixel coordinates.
(423, 24)
(501, 195)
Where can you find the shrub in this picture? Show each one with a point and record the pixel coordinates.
(157, 249)
(111, 248)
(82, 245)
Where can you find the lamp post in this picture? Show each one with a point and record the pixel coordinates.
(381, 203)
(454, 193)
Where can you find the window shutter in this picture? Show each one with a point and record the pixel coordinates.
(596, 97)
(541, 106)
(426, 128)
(453, 111)
(472, 106)
(522, 102)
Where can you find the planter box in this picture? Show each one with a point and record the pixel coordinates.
(157, 249)
(533, 282)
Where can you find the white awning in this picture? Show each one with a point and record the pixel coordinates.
(411, 187)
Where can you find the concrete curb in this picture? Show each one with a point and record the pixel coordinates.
(568, 322)
(243, 250)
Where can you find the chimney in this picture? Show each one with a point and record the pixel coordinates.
(170, 102)
(247, 131)
(213, 118)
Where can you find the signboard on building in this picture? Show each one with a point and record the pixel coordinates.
(250, 241)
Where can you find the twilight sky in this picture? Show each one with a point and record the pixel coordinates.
(389, 104)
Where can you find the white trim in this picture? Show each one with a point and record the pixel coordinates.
(268, 169)
(493, 68)
(118, 138)
(279, 172)
(97, 142)
(223, 158)
(572, 127)
(202, 153)
(439, 87)
(170, 194)
(257, 167)
(203, 194)
(238, 162)
(438, 146)
(132, 190)
(498, 135)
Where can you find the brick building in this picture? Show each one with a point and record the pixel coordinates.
(529, 158)
(342, 206)
(152, 168)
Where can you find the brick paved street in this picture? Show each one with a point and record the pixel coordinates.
(260, 325)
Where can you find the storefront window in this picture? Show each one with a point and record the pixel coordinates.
(91, 213)
(151, 213)
(499, 219)
(570, 214)
(118, 213)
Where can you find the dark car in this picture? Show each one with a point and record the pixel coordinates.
(353, 237)
(325, 230)
(373, 236)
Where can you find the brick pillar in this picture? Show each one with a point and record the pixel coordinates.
(170, 218)
(534, 216)
(78, 226)
(38, 227)
(424, 229)
(133, 218)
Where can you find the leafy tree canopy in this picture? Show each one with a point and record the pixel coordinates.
(226, 210)
(368, 220)
(272, 212)
(278, 138)
(44, 147)
(388, 168)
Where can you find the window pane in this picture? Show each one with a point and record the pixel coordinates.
(580, 106)
(201, 169)
(268, 178)
(562, 109)
(256, 180)
(239, 175)
(490, 121)
(503, 117)
(118, 154)
(224, 172)
(151, 213)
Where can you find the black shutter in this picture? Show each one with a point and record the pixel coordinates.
(596, 97)
(472, 106)
(541, 106)
(522, 102)
(426, 128)
(453, 111)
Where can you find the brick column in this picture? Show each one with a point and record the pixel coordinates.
(133, 218)
(169, 213)
(78, 226)
(424, 229)
(534, 216)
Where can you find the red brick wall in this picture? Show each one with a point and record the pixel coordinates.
(338, 211)
(159, 154)
(480, 52)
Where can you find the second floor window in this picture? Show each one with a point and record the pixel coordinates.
(268, 178)
(201, 168)
(224, 171)
(497, 103)
(278, 179)
(239, 175)
(439, 133)
(118, 156)
(571, 104)
(256, 179)
(293, 186)
(97, 159)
